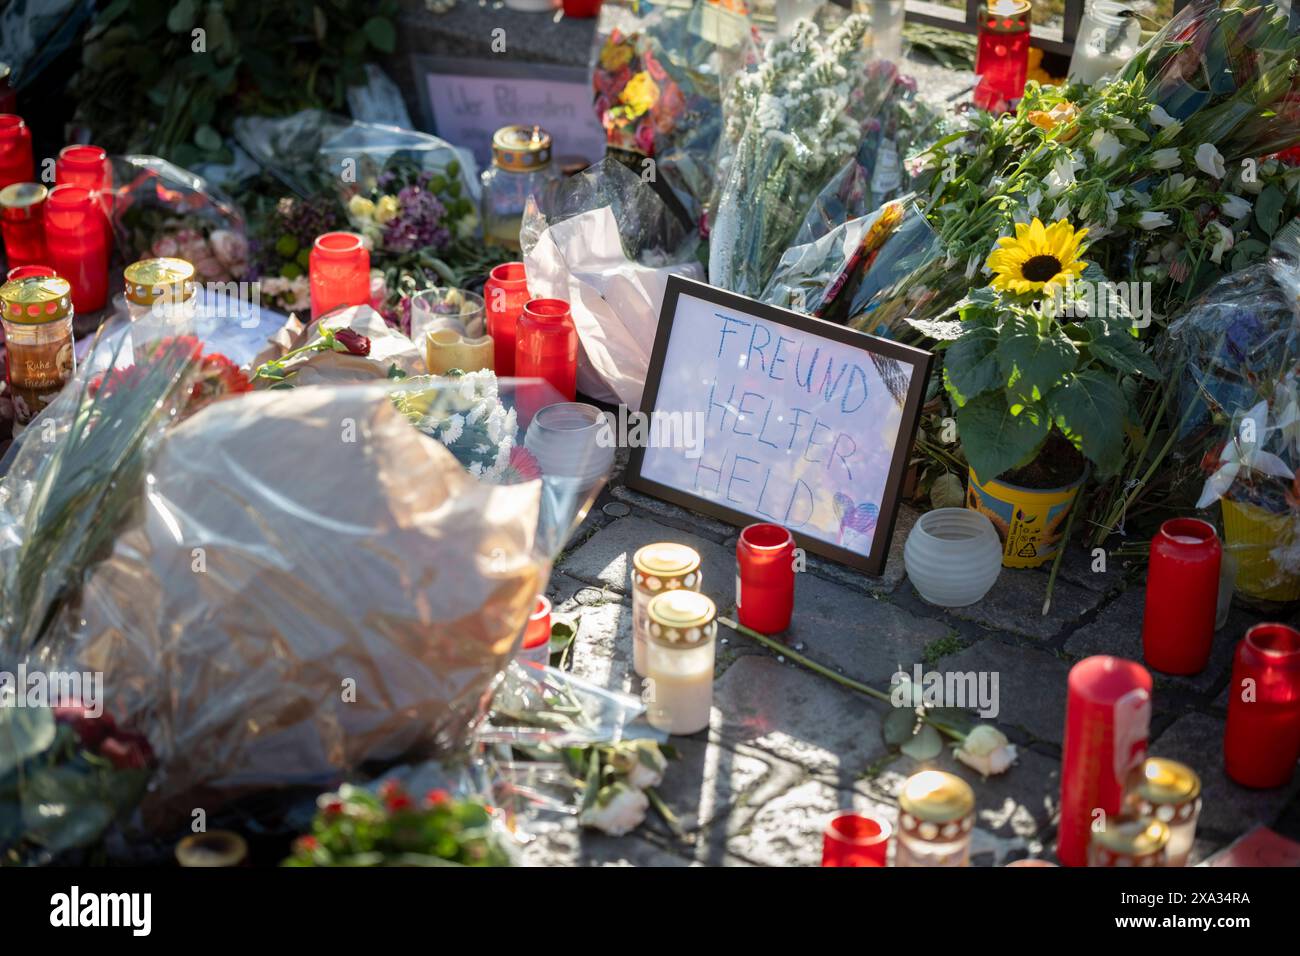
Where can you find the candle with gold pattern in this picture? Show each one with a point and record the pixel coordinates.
(1139, 842)
(164, 286)
(37, 318)
(1170, 792)
(936, 814)
(679, 659)
(657, 568)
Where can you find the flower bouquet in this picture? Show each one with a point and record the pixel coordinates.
(788, 128)
(282, 249)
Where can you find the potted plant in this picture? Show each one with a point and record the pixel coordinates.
(1251, 475)
(1035, 365)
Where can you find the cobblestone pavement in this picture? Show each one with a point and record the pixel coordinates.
(787, 747)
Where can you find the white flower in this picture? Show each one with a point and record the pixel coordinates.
(1032, 201)
(1165, 159)
(1106, 146)
(986, 750)
(1235, 208)
(1159, 117)
(1060, 177)
(618, 809)
(1210, 161)
(1154, 220)
(1060, 211)
(1222, 243)
(1237, 455)
(648, 767)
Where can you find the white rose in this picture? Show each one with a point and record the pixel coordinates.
(986, 750)
(618, 809)
(1154, 220)
(1210, 161)
(1234, 207)
(1165, 159)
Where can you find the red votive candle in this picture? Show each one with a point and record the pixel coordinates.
(546, 345)
(1182, 596)
(339, 267)
(1262, 740)
(505, 293)
(89, 166)
(765, 578)
(1002, 53)
(852, 839)
(22, 222)
(26, 272)
(537, 636)
(15, 151)
(1107, 718)
(74, 240)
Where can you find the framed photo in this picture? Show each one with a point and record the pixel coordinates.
(756, 413)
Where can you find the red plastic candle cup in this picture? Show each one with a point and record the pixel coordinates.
(852, 839)
(765, 578)
(1262, 740)
(1182, 596)
(1107, 718)
(339, 267)
(537, 635)
(505, 292)
(546, 345)
(22, 222)
(15, 151)
(1002, 53)
(26, 272)
(74, 242)
(579, 9)
(89, 166)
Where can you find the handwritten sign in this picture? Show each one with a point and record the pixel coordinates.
(468, 106)
(800, 422)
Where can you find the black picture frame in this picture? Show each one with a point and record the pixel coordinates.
(919, 359)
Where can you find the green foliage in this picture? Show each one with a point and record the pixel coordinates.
(169, 78)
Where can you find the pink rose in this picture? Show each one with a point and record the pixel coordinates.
(165, 248)
(209, 268)
(229, 246)
(645, 137)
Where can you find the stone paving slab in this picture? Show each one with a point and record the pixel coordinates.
(1031, 685)
(606, 557)
(787, 830)
(1118, 631)
(572, 847)
(1079, 564)
(1229, 809)
(1015, 605)
(674, 515)
(797, 716)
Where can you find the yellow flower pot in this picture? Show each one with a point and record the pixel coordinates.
(1030, 521)
(446, 349)
(1251, 534)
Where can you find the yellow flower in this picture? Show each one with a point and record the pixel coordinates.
(386, 209)
(361, 207)
(1038, 258)
(1060, 117)
(641, 94)
(615, 56)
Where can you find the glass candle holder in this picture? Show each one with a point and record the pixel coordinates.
(36, 313)
(521, 167)
(15, 151)
(74, 239)
(164, 287)
(1261, 742)
(212, 848)
(505, 293)
(1109, 35)
(447, 349)
(22, 222)
(1182, 596)
(1170, 792)
(546, 345)
(536, 646)
(1002, 53)
(444, 307)
(1129, 843)
(765, 578)
(936, 813)
(855, 839)
(89, 166)
(339, 269)
(657, 568)
(1107, 720)
(680, 647)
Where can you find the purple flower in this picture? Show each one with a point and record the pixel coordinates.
(418, 225)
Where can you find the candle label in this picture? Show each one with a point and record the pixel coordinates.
(37, 374)
(1132, 727)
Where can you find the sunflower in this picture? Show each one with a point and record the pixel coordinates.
(1038, 259)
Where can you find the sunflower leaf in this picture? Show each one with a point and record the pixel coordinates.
(1089, 408)
(1119, 350)
(994, 439)
(970, 365)
(1032, 360)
